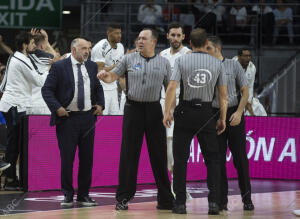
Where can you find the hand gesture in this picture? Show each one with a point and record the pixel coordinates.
(34, 31)
(63, 56)
(98, 110)
(102, 75)
(168, 118)
(220, 126)
(235, 118)
(62, 112)
(44, 34)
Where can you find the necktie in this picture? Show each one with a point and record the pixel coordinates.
(80, 101)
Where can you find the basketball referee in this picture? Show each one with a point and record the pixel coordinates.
(198, 74)
(234, 135)
(145, 74)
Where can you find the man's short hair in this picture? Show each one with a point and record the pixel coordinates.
(38, 39)
(113, 26)
(174, 25)
(216, 41)
(22, 38)
(74, 42)
(154, 33)
(198, 37)
(240, 51)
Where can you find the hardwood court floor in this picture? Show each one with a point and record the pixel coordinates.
(267, 205)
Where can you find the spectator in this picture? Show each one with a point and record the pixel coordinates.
(150, 14)
(283, 18)
(216, 7)
(187, 17)
(42, 58)
(170, 13)
(205, 18)
(263, 13)
(239, 13)
(16, 98)
(42, 43)
(212, 6)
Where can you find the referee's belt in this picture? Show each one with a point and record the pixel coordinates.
(195, 103)
(144, 102)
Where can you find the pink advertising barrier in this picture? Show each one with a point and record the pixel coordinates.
(273, 146)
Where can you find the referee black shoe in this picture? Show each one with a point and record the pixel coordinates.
(213, 208)
(67, 202)
(121, 206)
(248, 206)
(86, 201)
(179, 209)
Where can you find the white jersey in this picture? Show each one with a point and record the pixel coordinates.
(18, 81)
(42, 62)
(103, 52)
(171, 57)
(250, 74)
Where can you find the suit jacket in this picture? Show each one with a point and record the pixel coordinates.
(58, 90)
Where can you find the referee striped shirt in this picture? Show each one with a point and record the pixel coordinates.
(236, 78)
(145, 76)
(199, 73)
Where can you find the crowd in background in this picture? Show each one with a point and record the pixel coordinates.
(219, 16)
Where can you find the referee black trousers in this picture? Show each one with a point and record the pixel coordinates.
(235, 138)
(77, 129)
(191, 121)
(140, 118)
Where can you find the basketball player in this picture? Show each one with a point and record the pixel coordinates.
(175, 36)
(107, 53)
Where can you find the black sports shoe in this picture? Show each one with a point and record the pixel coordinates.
(164, 206)
(86, 201)
(12, 186)
(4, 165)
(123, 205)
(213, 208)
(248, 206)
(67, 202)
(179, 209)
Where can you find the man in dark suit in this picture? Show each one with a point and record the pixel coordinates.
(75, 97)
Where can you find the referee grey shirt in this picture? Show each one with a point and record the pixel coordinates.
(199, 73)
(236, 79)
(145, 76)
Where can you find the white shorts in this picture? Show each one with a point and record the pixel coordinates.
(171, 129)
(111, 102)
(122, 103)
